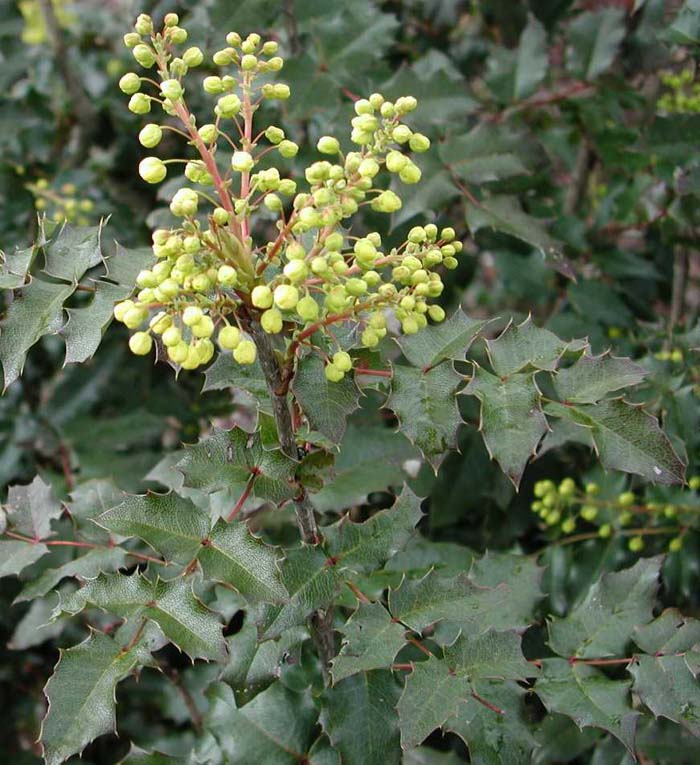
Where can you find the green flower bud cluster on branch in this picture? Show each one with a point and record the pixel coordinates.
(213, 274)
(62, 203)
(682, 95)
(565, 508)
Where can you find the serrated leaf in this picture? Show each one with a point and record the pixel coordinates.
(359, 718)
(671, 632)
(81, 694)
(594, 39)
(426, 405)
(312, 575)
(511, 421)
(486, 153)
(86, 566)
(140, 757)
(372, 640)
(276, 727)
(16, 555)
(326, 404)
(588, 697)
(87, 502)
(524, 346)
(532, 60)
(14, 267)
(34, 628)
(372, 458)
(602, 624)
(172, 605)
(171, 525)
(504, 214)
(83, 331)
(492, 738)
(449, 340)
(30, 509)
(593, 377)
(491, 654)
(36, 310)
(228, 459)
(626, 438)
(225, 373)
(232, 555)
(72, 251)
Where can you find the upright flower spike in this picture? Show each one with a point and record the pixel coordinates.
(211, 270)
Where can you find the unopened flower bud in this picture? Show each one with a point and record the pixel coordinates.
(144, 55)
(144, 24)
(150, 135)
(140, 103)
(130, 83)
(288, 149)
(171, 89)
(328, 145)
(245, 352)
(242, 161)
(140, 343)
(193, 57)
(152, 169)
(286, 297)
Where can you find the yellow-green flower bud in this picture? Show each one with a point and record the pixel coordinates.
(401, 133)
(275, 64)
(589, 512)
(273, 203)
(386, 202)
(245, 352)
(193, 57)
(184, 203)
(144, 55)
(150, 135)
(334, 242)
(178, 35)
(229, 338)
(135, 316)
(213, 85)
(140, 343)
(307, 308)
(288, 149)
(228, 106)
(286, 297)
(160, 322)
(172, 336)
(204, 327)
(261, 296)
(227, 276)
(270, 48)
(139, 103)
(178, 351)
(192, 315)
(144, 24)
(370, 338)
(405, 104)
(130, 83)
(436, 313)
(332, 373)
(296, 271)
(221, 216)
(132, 39)
(249, 62)
(208, 133)
(274, 134)
(171, 89)
(327, 144)
(363, 106)
(343, 361)
(242, 161)
(152, 169)
(410, 173)
(368, 168)
(626, 499)
(271, 321)
(419, 143)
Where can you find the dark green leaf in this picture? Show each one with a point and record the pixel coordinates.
(16, 555)
(524, 346)
(72, 251)
(594, 41)
(593, 377)
(31, 508)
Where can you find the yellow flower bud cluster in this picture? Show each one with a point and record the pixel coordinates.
(683, 94)
(213, 275)
(62, 203)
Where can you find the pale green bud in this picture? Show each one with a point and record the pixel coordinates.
(171, 89)
(130, 83)
(229, 338)
(144, 55)
(139, 103)
(193, 57)
(152, 170)
(261, 296)
(213, 85)
(271, 321)
(328, 145)
(140, 343)
(286, 297)
(419, 143)
(242, 161)
(150, 135)
(245, 352)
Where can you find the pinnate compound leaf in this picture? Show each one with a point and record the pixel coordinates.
(276, 728)
(81, 694)
(449, 340)
(493, 738)
(234, 556)
(588, 697)
(171, 525)
(371, 641)
(359, 718)
(16, 555)
(591, 378)
(603, 623)
(512, 423)
(326, 404)
(524, 346)
(426, 406)
(172, 605)
(594, 40)
(30, 509)
(228, 459)
(626, 438)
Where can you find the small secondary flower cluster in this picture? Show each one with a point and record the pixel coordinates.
(564, 506)
(683, 94)
(211, 277)
(61, 204)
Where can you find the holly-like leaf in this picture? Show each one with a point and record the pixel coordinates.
(232, 555)
(228, 459)
(172, 605)
(224, 373)
(511, 422)
(588, 697)
(359, 718)
(504, 214)
(326, 404)
(171, 525)
(593, 377)
(16, 555)
(90, 499)
(594, 39)
(626, 438)
(72, 251)
(30, 509)
(449, 340)
(426, 405)
(277, 726)
(372, 458)
(494, 736)
(85, 326)
(312, 575)
(139, 757)
(486, 153)
(372, 640)
(524, 346)
(14, 267)
(602, 624)
(86, 566)
(81, 694)
(671, 632)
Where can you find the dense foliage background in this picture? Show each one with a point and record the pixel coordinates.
(566, 142)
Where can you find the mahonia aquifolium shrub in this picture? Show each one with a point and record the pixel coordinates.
(211, 271)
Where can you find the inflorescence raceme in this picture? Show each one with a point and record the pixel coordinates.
(211, 277)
